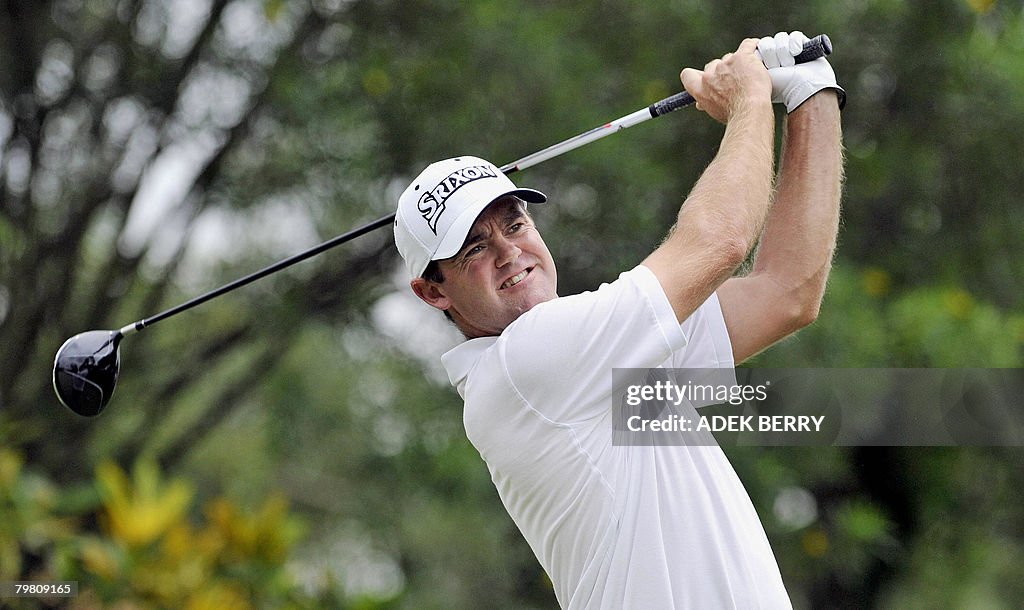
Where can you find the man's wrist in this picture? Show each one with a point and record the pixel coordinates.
(750, 104)
(818, 117)
(826, 99)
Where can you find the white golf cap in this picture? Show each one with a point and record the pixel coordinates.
(436, 211)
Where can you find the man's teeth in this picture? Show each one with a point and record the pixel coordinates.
(512, 281)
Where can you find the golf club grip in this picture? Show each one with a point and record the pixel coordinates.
(819, 46)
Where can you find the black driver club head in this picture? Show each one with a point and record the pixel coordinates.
(85, 371)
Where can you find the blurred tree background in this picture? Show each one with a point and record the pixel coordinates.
(296, 444)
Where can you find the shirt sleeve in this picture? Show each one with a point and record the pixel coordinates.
(708, 345)
(560, 354)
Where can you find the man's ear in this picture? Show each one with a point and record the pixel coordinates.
(430, 293)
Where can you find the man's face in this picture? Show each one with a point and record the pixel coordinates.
(502, 271)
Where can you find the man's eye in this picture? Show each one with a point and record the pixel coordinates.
(516, 227)
(474, 250)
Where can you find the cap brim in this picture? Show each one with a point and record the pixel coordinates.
(459, 231)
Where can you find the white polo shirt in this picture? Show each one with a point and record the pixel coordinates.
(615, 527)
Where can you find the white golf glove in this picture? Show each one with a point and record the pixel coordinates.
(793, 83)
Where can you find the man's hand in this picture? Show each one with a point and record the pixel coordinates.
(793, 84)
(729, 83)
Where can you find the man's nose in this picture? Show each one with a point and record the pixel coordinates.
(506, 251)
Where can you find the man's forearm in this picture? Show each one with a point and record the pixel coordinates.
(800, 232)
(722, 215)
(737, 184)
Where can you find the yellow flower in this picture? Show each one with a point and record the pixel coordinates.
(180, 542)
(376, 82)
(218, 596)
(959, 303)
(815, 542)
(140, 511)
(10, 467)
(267, 535)
(877, 282)
(981, 6)
(100, 559)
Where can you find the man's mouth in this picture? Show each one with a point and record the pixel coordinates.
(515, 279)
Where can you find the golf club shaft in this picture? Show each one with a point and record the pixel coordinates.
(818, 46)
(252, 277)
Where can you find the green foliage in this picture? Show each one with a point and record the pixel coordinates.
(29, 519)
(289, 121)
(883, 325)
(147, 552)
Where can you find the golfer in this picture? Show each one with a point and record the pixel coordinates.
(644, 527)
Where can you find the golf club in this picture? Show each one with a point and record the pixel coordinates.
(86, 367)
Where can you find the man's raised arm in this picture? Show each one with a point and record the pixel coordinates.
(784, 290)
(724, 213)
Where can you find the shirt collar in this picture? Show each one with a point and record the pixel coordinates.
(461, 359)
